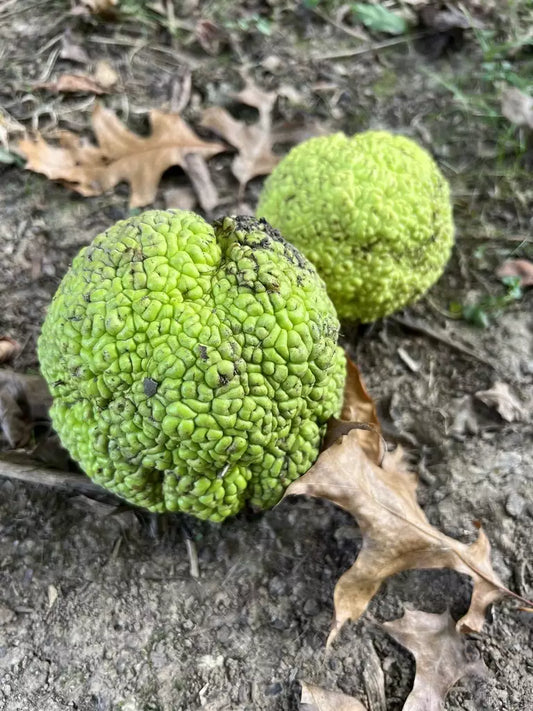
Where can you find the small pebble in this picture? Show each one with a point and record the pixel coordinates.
(515, 505)
(311, 607)
(6, 615)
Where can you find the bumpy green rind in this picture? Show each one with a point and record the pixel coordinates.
(372, 212)
(193, 367)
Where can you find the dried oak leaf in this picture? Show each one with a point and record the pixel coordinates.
(316, 699)
(120, 156)
(252, 141)
(396, 533)
(440, 654)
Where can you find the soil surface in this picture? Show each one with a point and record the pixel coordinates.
(98, 608)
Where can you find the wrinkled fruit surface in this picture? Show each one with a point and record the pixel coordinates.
(193, 367)
(372, 212)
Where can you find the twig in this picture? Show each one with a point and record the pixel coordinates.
(441, 337)
(13, 466)
(371, 48)
(192, 554)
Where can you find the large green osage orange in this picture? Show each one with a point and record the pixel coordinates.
(371, 211)
(193, 367)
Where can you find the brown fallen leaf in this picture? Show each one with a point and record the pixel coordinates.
(252, 141)
(517, 107)
(120, 156)
(503, 401)
(396, 533)
(9, 349)
(316, 699)
(521, 268)
(440, 655)
(358, 414)
(73, 83)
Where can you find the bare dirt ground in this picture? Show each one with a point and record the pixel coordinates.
(98, 610)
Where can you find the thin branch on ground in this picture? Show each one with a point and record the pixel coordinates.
(22, 468)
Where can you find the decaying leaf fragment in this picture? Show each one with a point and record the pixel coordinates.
(120, 155)
(396, 533)
(503, 401)
(252, 141)
(316, 699)
(440, 655)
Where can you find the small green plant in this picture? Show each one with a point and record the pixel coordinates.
(484, 310)
(379, 18)
(251, 22)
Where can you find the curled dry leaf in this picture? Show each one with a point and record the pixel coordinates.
(316, 699)
(396, 533)
(440, 654)
(252, 141)
(503, 401)
(120, 156)
(521, 268)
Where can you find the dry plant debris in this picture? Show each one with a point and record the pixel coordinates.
(396, 533)
(316, 699)
(503, 401)
(252, 141)
(441, 658)
(119, 156)
(74, 83)
(440, 654)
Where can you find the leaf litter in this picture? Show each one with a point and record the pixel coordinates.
(120, 156)
(442, 658)
(254, 142)
(379, 491)
(440, 653)
(396, 533)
